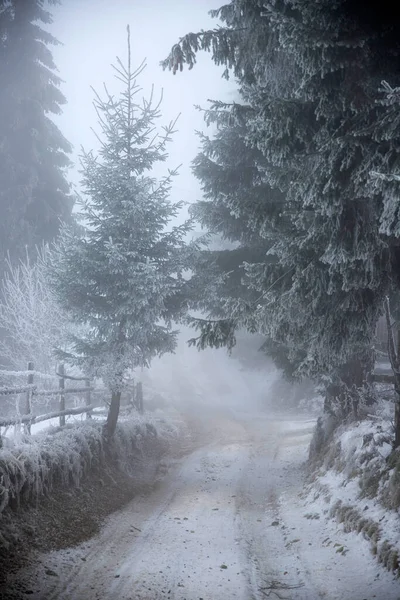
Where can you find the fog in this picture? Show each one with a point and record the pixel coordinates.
(208, 378)
(204, 381)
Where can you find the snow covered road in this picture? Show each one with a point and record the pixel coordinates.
(225, 522)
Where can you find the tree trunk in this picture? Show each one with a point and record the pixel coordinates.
(396, 442)
(397, 423)
(342, 396)
(394, 357)
(354, 377)
(113, 413)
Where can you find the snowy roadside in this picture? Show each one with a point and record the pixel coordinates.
(357, 483)
(58, 486)
(32, 465)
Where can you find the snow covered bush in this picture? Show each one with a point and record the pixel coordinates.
(32, 320)
(32, 468)
(38, 465)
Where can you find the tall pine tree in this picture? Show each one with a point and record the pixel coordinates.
(310, 73)
(121, 273)
(34, 192)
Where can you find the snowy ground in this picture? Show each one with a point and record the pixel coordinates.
(227, 521)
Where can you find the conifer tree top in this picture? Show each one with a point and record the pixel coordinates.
(120, 274)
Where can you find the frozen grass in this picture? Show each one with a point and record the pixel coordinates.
(34, 465)
(356, 479)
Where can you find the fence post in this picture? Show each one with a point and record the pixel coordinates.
(28, 403)
(87, 397)
(139, 396)
(61, 387)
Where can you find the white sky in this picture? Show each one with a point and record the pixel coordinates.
(93, 33)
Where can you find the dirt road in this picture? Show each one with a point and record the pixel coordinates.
(225, 522)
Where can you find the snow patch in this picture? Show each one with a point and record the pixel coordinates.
(357, 482)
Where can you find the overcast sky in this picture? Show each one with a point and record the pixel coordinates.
(93, 33)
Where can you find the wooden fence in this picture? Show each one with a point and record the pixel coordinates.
(31, 391)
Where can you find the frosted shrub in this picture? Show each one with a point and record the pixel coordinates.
(30, 316)
(63, 457)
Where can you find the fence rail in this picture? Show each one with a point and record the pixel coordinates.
(39, 418)
(80, 390)
(65, 376)
(8, 391)
(31, 390)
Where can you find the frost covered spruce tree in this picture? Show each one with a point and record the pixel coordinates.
(310, 73)
(34, 191)
(246, 169)
(240, 204)
(120, 272)
(233, 207)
